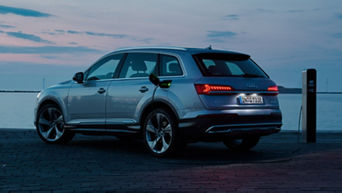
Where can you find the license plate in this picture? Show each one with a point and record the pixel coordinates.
(250, 99)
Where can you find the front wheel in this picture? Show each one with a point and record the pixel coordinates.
(50, 125)
(160, 133)
(243, 144)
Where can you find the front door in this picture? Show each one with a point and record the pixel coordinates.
(86, 101)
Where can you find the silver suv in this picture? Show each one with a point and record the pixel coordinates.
(169, 96)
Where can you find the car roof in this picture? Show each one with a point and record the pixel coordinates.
(180, 49)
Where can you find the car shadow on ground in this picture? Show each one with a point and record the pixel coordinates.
(108, 154)
(112, 154)
(194, 154)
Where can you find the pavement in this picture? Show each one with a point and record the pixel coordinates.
(279, 163)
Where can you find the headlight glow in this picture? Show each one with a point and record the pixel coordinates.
(38, 95)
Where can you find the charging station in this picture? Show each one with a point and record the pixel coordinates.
(309, 105)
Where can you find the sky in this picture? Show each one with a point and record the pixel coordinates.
(51, 40)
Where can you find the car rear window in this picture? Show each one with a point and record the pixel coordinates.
(219, 64)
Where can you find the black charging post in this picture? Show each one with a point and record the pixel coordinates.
(309, 105)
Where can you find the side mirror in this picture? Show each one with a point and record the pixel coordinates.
(78, 77)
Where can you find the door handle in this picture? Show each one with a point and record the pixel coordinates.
(101, 90)
(143, 89)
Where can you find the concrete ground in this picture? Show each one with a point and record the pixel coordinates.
(279, 163)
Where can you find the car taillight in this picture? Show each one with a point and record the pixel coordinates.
(273, 90)
(212, 89)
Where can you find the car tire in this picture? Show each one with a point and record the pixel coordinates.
(243, 144)
(160, 133)
(50, 125)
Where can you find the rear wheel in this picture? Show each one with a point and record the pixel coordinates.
(160, 133)
(50, 125)
(243, 144)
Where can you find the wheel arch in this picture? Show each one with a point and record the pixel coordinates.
(158, 104)
(46, 101)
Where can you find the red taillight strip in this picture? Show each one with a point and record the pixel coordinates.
(273, 90)
(212, 89)
(209, 89)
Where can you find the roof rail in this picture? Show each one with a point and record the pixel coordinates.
(152, 47)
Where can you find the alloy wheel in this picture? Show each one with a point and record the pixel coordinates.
(51, 124)
(158, 133)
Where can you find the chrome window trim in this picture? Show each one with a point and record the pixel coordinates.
(101, 80)
(136, 78)
(143, 51)
(163, 53)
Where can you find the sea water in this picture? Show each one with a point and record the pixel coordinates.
(16, 111)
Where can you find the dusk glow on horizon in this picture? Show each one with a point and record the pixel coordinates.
(54, 39)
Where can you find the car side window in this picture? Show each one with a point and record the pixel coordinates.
(104, 69)
(169, 66)
(139, 65)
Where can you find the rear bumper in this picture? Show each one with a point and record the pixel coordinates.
(219, 126)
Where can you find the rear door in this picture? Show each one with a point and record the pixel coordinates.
(131, 89)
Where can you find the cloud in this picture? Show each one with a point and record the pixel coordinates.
(339, 16)
(22, 12)
(50, 33)
(337, 35)
(6, 26)
(231, 17)
(2, 31)
(55, 32)
(45, 50)
(106, 34)
(221, 34)
(89, 33)
(147, 40)
(48, 56)
(30, 37)
(295, 11)
(73, 32)
(94, 33)
(261, 10)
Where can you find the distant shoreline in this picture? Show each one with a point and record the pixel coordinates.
(281, 91)
(284, 90)
(19, 91)
(317, 93)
